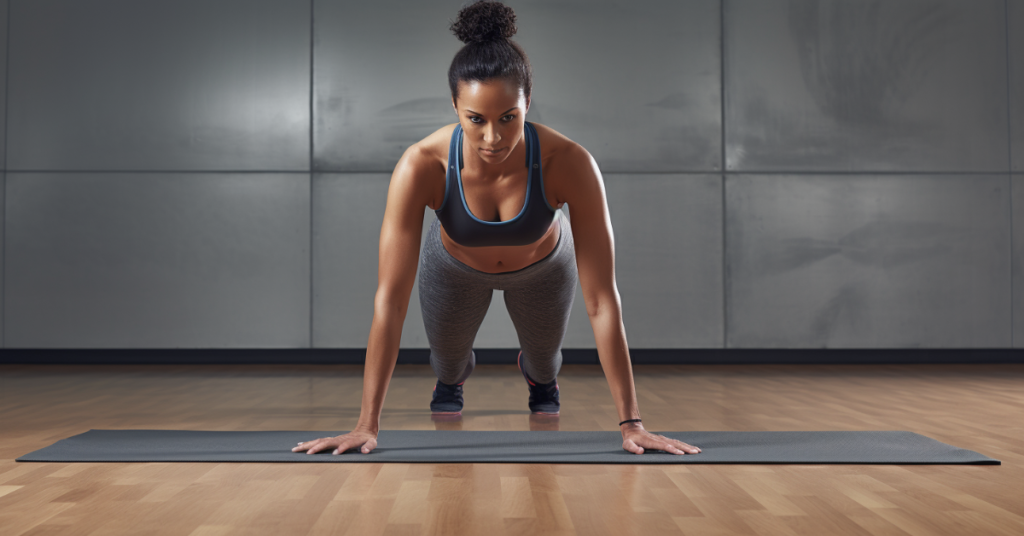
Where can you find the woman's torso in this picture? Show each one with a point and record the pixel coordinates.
(497, 199)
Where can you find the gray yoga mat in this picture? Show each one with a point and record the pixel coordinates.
(457, 446)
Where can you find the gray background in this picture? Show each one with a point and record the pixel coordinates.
(780, 174)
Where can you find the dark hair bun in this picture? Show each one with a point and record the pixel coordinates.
(484, 20)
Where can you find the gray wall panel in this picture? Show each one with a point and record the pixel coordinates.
(3, 148)
(380, 71)
(3, 83)
(647, 100)
(668, 258)
(192, 84)
(3, 249)
(157, 260)
(636, 83)
(1015, 23)
(1018, 260)
(853, 85)
(348, 211)
(896, 261)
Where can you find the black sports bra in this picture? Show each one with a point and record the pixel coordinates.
(467, 230)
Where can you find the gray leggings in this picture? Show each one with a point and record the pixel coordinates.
(454, 298)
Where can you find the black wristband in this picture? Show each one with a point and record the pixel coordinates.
(630, 420)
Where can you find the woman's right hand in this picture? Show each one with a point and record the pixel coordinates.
(356, 438)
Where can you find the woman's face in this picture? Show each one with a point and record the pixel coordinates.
(492, 115)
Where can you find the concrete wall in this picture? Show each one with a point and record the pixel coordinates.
(780, 174)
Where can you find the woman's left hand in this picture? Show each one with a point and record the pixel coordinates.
(635, 439)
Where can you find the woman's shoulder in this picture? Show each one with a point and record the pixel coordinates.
(552, 142)
(549, 134)
(560, 156)
(432, 150)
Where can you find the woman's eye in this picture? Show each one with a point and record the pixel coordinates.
(472, 119)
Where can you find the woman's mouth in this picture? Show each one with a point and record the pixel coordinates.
(488, 151)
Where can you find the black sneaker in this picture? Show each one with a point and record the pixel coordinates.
(447, 398)
(543, 396)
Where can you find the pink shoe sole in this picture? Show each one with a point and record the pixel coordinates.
(518, 359)
(446, 412)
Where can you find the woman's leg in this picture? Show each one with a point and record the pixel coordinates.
(539, 301)
(453, 301)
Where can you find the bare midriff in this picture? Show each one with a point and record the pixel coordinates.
(497, 259)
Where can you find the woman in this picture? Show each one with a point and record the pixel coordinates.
(498, 227)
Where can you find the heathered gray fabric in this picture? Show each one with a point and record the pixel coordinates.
(454, 298)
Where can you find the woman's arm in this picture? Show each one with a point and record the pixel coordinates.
(595, 259)
(581, 180)
(398, 258)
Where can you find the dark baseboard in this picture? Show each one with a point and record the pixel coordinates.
(507, 356)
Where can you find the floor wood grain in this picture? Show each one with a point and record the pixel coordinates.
(977, 407)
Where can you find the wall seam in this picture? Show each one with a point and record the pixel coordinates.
(311, 171)
(7, 92)
(721, 106)
(1009, 153)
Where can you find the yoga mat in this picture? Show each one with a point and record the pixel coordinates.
(459, 446)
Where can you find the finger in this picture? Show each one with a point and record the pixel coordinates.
(303, 445)
(654, 441)
(349, 444)
(679, 447)
(323, 443)
(667, 444)
(688, 448)
(669, 447)
(631, 446)
(344, 446)
(657, 445)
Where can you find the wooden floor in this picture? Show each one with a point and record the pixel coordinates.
(977, 407)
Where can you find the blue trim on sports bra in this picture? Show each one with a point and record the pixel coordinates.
(532, 221)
